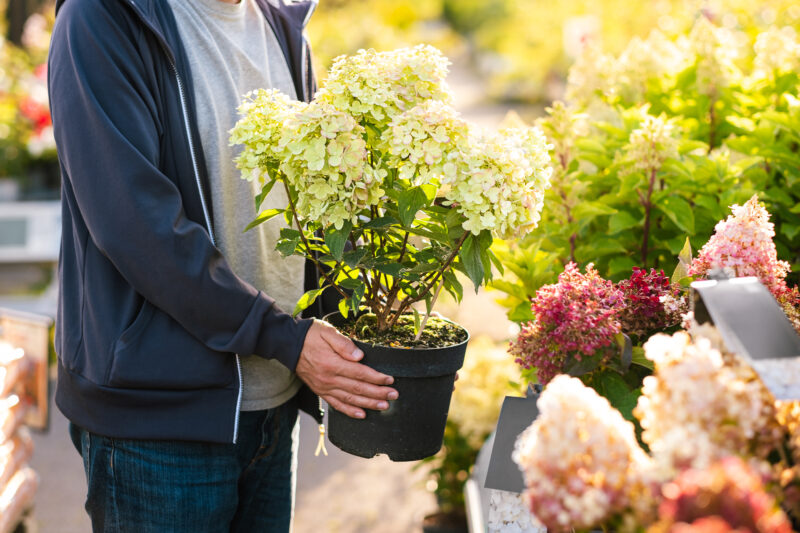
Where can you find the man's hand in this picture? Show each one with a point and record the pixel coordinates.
(329, 365)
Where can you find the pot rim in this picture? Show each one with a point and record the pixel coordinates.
(416, 348)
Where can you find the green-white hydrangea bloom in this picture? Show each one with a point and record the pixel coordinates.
(264, 112)
(590, 76)
(777, 50)
(320, 150)
(424, 142)
(644, 60)
(715, 50)
(374, 87)
(501, 183)
(650, 145)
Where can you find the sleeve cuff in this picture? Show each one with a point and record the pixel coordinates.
(282, 337)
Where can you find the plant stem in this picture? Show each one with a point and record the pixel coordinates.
(428, 312)
(648, 207)
(308, 246)
(570, 220)
(403, 248)
(421, 296)
(712, 126)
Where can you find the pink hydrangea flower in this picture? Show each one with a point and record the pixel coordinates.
(574, 318)
(645, 295)
(743, 242)
(728, 494)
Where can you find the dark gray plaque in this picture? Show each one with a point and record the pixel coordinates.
(515, 416)
(754, 326)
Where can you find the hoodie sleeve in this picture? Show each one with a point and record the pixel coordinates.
(108, 136)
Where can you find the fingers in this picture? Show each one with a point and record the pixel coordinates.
(341, 344)
(349, 410)
(328, 364)
(359, 372)
(356, 401)
(365, 390)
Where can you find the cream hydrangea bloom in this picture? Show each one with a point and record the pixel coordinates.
(581, 462)
(644, 60)
(319, 149)
(381, 111)
(424, 142)
(501, 181)
(376, 86)
(688, 406)
(715, 50)
(589, 76)
(265, 111)
(777, 50)
(509, 513)
(650, 145)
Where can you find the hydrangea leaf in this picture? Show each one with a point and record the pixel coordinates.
(470, 255)
(263, 217)
(336, 239)
(307, 299)
(412, 200)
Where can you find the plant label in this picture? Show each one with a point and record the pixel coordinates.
(754, 326)
(515, 416)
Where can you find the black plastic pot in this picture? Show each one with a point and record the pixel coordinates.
(413, 426)
(445, 523)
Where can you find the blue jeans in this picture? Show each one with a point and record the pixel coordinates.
(142, 486)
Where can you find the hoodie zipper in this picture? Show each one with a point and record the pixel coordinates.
(195, 167)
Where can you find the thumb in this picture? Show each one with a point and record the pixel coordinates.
(343, 346)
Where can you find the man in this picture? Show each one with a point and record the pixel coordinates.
(160, 287)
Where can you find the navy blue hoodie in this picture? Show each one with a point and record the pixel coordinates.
(150, 315)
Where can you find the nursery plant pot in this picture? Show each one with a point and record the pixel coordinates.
(445, 523)
(413, 426)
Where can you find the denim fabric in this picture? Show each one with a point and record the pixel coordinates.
(142, 486)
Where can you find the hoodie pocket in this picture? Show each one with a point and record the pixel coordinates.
(155, 352)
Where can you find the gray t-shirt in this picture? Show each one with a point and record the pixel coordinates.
(232, 50)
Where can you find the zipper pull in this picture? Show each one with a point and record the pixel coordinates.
(321, 442)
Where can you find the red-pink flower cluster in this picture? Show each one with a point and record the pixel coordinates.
(728, 496)
(574, 318)
(644, 311)
(743, 242)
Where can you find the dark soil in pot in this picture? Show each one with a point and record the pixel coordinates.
(438, 332)
(413, 426)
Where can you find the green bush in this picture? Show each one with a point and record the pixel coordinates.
(656, 145)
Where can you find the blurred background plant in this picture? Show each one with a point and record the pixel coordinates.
(647, 157)
(487, 377)
(27, 148)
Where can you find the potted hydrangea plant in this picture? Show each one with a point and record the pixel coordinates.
(390, 193)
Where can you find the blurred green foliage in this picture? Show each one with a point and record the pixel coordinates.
(725, 134)
(526, 46)
(345, 26)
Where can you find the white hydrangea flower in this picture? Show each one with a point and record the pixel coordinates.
(501, 181)
(563, 127)
(376, 86)
(650, 145)
(381, 111)
(644, 60)
(590, 76)
(581, 461)
(319, 149)
(688, 406)
(424, 142)
(777, 50)
(715, 50)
